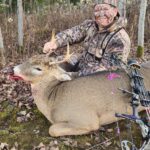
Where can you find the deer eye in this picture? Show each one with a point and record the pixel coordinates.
(39, 69)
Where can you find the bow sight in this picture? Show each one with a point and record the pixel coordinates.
(139, 96)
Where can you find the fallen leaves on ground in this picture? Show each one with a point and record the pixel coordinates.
(18, 94)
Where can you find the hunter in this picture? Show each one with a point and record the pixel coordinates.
(103, 36)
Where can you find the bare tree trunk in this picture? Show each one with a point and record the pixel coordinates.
(10, 5)
(3, 61)
(141, 25)
(4, 1)
(20, 23)
(122, 8)
(10, 2)
(31, 5)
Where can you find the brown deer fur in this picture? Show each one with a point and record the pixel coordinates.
(80, 105)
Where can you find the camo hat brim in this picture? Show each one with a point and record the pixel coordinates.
(110, 2)
(113, 3)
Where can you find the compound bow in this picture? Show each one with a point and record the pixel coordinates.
(139, 96)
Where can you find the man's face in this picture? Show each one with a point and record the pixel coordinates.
(104, 14)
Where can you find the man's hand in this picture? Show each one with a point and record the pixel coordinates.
(50, 46)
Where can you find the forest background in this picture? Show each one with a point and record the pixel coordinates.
(40, 17)
(22, 126)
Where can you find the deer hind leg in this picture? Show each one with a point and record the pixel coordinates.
(66, 128)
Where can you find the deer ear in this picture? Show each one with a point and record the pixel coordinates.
(63, 77)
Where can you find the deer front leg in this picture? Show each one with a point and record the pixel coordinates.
(61, 129)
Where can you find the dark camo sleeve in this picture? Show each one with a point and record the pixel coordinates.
(74, 35)
(120, 45)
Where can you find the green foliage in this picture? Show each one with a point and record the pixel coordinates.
(140, 51)
(74, 1)
(31, 5)
(3, 7)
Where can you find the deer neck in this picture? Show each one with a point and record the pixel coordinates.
(41, 92)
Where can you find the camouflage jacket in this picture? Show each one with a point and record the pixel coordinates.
(97, 44)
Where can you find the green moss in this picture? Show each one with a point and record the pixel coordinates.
(4, 132)
(140, 51)
(32, 133)
(23, 133)
(83, 139)
(17, 128)
(3, 114)
(64, 147)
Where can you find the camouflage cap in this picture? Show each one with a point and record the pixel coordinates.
(113, 3)
(110, 2)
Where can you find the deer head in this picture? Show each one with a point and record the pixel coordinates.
(40, 67)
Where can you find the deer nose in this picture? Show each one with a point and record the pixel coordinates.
(8, 70)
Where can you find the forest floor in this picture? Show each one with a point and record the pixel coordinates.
(23, 127)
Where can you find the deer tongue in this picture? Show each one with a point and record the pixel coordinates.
(14, 77)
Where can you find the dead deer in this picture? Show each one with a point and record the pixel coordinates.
(80, 105)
